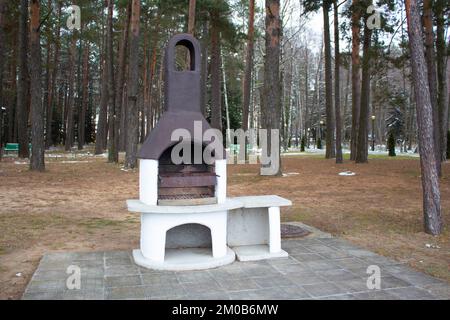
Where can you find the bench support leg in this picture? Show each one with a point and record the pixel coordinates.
(274, 230)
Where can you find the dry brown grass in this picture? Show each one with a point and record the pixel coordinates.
(81, 206)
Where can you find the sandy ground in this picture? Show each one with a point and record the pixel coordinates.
(78, 204)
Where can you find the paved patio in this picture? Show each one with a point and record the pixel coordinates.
(321, 268)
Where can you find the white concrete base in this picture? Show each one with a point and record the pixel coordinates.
(185, 259)
(257, 252)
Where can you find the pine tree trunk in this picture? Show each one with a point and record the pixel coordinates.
(102, 125)
(191, 17)
(216, 94)
(248, 65)
(428, 161)
(246, 85)
(330, 149)
(150, 108)
(52, 87)
(337, 91)
(271, 110)
(23, 84)
(432, 81)
(132, 86)
(71, 102)
(37, 108)
(2, 41)
(443, 94)
(84, 99)
(356, 78)
(121, 112)
(362, 148)
(204, 75)
(113, 153)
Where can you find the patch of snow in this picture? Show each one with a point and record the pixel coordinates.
(347, 173)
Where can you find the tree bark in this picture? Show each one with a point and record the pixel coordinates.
(2, 104)
(248, 65)
(191, 18)
(113, 152)
(71, 102)
(362, 148)
(23, 84)
(102, 126)
(443, 99)
(246, 85)
(428, 161)
(329, 108)
(216, 94)
(37, 108)
(337, 91)
(132, 85)
(84, 99)
(2, 54)
(432, 81)
(52, 86)
(271, 110)
(122, 112)
(356, 78)
(204, 75)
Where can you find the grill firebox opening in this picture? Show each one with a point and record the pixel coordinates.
(186, 183)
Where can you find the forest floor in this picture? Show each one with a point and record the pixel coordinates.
(78, 204)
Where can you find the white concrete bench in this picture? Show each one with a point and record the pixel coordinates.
(250, 225)
(254, 229)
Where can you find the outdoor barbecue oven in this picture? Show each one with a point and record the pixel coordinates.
(163, 182)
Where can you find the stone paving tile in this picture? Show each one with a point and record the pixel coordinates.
(316, 269)
(353, 285)
(389, 282)
(375, 295)
(202, 288)
(414, 277)
(238, 285)
(279, 293)
(282, 261)
(123, 281)
(99, 263)
(158, 278)
(97, 294)
(339, 297)
(262, 268)
(288, 269)
(323, 289)
(164, 290)
(91, 284)
(336, 274)
(305, 278)
(301, 257)
(45, 274)
(361, 253)
(320, 265)
(380, 261)
(123, 293)
(273, 281)
(210, 296)
(297, 250)
(351, 263)
(440, 291)
(121, 261)
(46, 285)
(233, 271)
(411, 293)
(194, 277)
(47, 295)
(121, 270)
